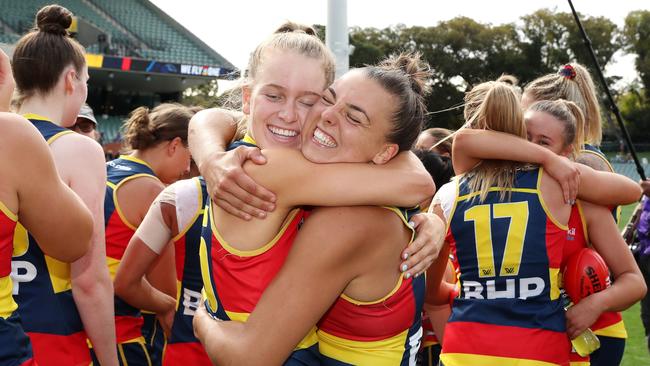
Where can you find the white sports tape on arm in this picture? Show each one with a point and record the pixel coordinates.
(153, 230)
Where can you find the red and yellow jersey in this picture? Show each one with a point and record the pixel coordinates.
(182, 347)
(234, 280)
(387, 331)
(609, 324)
(128, 320)
(55, 330)
(15, 347)
(8, 222)
(507, 254)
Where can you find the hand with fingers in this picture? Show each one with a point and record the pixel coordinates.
(430, 235)
(7, 83)
(582, 315)
(567, 174)
(232, 189)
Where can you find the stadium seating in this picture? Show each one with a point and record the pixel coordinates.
(110, 127)
(148, 34)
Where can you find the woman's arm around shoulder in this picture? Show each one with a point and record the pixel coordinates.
(297, 181)
(605, 188)
(210, 132)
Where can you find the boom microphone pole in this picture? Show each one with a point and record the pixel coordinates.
(613, 107)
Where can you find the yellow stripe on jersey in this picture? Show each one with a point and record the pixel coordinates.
(579, 363)
(310, 339)
(12, 216)
(21, 240)
(554, 277)
(543, 203)
(391, 293)
(462, 359)
(59, 274)
(56, 136)
(249, 139)
(401, 276)
(252, 253)
(204, 259)
(616, 330)
(7, 304)
(130, 178)
(385, 352)
(113, 265)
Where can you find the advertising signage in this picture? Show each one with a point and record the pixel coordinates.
(152, 66)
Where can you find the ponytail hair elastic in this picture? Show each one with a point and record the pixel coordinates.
(568, 72)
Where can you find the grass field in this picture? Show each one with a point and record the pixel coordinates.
(636, 352)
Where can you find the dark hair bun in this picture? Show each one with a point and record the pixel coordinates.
(411, 64)
(289, 27)
(54, 19)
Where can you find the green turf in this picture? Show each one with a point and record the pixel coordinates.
(636, 352)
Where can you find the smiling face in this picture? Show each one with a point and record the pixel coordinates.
(286, 86)
(545, 130)
(350, 123)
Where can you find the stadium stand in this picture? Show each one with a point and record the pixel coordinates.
(136, 54)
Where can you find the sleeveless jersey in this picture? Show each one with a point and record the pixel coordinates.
(55, 329)
(609, 324)
(387, 331)
(15, 347)
(234, 280)
(128, 320)
(507, 255)
(182, 347)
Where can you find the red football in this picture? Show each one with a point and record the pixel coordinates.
(585, 273)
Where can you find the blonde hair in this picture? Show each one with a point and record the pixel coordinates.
(494, 106)
(572, 83)
(147, 128)
(571, 117)
(297, 38)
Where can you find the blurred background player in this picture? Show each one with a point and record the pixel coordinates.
(438, 140)
(86, 124)
(51, 75)
(158, 155)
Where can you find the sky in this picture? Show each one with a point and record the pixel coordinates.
(234, 28)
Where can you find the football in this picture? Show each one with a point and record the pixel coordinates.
(585, 273)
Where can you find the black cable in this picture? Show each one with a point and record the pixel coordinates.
(612, 103)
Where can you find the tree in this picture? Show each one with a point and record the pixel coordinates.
(637, 40)
(204, 95)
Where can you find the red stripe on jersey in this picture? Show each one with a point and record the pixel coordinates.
(128, 328)
(506, 341)
(56, 350)
(576, 240)
(118, 236)
(240, 281)
(555, 241)
(185, 354)
(374, 322)
(7, 227)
